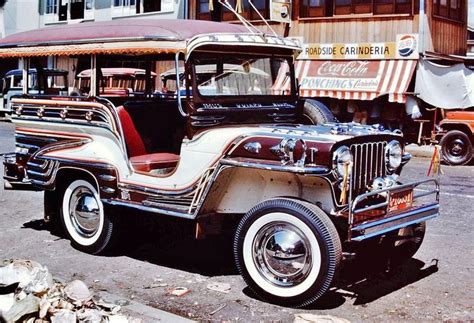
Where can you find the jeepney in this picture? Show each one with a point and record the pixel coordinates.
(306, 195)
(118, 81)
(45, 81)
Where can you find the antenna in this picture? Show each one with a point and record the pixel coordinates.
(263, 19)
(244, 21)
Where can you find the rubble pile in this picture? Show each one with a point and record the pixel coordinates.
(29, 294)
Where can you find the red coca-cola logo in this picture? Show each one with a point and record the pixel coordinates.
(351, 69)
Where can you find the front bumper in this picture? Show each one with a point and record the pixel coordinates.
(392, 222)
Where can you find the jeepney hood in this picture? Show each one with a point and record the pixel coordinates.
(259, 141)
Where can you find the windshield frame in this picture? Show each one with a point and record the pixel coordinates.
(240, 98)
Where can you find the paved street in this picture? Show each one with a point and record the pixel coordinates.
(437, 284)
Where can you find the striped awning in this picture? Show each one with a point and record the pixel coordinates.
(356, 79)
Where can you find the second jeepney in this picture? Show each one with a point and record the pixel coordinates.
(227, 144)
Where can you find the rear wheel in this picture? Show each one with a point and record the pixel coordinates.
(287, 251)
(456, 148)
(315, 112)
(84, 219)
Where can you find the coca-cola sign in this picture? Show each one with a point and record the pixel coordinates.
(348, 69)
(342, 75)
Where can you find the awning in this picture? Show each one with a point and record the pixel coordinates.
(447, 87)
(355, 79)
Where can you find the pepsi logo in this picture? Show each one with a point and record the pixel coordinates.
(406, 45)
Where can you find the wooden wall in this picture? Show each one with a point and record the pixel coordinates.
(354, 30)
(441, 35)
(448, 36)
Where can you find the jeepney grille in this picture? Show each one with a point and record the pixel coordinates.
(369, 163)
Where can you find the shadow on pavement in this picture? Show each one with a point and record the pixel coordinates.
(171, 243)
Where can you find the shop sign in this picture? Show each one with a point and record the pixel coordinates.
(359, 76)
(280, 10)
(406, 47)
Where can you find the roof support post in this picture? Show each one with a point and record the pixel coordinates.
(178, 85)
(93, 90)
(25, 68)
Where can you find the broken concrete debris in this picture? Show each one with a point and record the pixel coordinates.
(219, 287)
(179, 291)
(29, 294)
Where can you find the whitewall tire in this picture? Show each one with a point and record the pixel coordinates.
(84, 219)
(287, 251)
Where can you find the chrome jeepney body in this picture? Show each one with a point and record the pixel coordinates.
(302, 192)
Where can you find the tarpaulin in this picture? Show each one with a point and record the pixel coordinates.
(448, 87)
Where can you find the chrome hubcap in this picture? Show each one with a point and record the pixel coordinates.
(282, 254)
(84, 212)
(457, 147)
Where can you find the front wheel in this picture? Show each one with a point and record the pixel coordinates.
(316, 113)
(456, 148)
(83, 218)
(287, 251)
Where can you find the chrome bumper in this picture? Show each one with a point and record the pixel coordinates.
(380, 226)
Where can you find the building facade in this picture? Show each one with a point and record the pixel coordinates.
(18, 15)
(76, 11)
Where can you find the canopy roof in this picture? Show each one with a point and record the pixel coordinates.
(137, 36)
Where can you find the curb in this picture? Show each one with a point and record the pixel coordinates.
(144, 312)
(425, 151)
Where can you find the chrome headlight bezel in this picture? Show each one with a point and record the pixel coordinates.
(341, 156)
(393, 155)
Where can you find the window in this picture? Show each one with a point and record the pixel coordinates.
(151, 5)
(452, 9)
(131, 7)
(219, 13)
(315, 8)
(51, 7)
(203, 12)
(63, 10)
(328, 8)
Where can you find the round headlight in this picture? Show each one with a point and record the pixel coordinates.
(342, 156)
(393, 155)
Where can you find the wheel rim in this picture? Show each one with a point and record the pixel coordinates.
(282, 254)
(456, 148)
(84, 212)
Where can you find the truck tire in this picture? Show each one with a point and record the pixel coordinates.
(315, 113)
(287, 251)
(84, 219)
(456, 148)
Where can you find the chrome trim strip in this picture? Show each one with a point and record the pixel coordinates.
(149, 209)
(107, 178)
(318, 170)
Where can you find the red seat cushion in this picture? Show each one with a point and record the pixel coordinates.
(146, 163)
(134, 141)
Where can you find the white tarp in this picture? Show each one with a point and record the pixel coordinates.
(448, 87)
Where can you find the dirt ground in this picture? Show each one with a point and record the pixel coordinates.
(437, 284)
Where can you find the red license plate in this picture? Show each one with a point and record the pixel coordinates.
(400, 200)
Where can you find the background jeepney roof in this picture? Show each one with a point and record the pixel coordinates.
(129, 37)
(117, 71)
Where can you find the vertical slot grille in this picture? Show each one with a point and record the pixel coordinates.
(369, 163)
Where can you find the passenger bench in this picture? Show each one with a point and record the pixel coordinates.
(141, 160)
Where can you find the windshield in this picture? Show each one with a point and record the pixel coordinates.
(242, 76)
